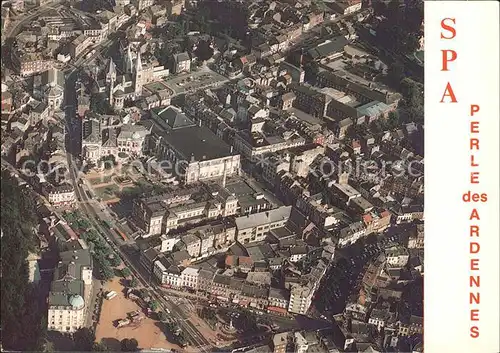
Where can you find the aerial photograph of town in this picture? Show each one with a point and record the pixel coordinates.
(194, 176)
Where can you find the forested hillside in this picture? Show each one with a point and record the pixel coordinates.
(21, 319)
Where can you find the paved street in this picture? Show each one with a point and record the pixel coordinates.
(94, 211)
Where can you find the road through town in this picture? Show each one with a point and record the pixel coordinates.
(92, 209)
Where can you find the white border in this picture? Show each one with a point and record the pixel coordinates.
(474, 77)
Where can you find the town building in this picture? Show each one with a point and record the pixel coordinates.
(195, 152)
(49, 88)
(59, 195)
(70, 291)
(101, 138)
(182, 63)
(255, 227)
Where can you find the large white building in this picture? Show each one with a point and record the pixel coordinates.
(195, 152)
(101, 139)
(397, 256)
(70, 291)
(60, 195)
(255, 227)
(300, 299)
(163, 213)
(167, 273)
(189, 277)
(129, 85)
(49, 88)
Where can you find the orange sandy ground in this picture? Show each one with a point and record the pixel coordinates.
(148, 333)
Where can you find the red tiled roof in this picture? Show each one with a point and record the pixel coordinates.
(277, 309)
(230, 260)
(385, 214)
(245, 260)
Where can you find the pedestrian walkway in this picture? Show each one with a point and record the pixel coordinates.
(179, 293)
(92, 303)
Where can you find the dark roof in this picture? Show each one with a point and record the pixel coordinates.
(220, 279)
(206, 274)
(254, 291)
(68, 277)
(151, 254)
(174, 118)
(195, 142)
(181, 57)
(180, 256)
(297, 250)
(360, 328)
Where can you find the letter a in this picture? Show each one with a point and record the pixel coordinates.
(448, 92)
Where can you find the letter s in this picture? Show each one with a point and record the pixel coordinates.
(448, 28)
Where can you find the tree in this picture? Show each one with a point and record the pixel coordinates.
(20, 311)
(129, 345)
(114, 260)
(204, 50)
(48, 347)
(395, 73)
(412, 104)
(208, 313)
(376, 126)
(393, 120)
(133, 282)
(100, 347)
(144, 294)
(162, 316)
(401, 29)
(163, 55)
(248, 322)
(109, 161)
(107, 272)
(99, 104)
(412, 92)
(84, 339)
(125, 272)
(153, 305)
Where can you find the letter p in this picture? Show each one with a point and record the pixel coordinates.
(448, 57)
(474, 108)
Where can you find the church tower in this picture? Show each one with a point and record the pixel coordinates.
(111, 74)
(138, 75)
(110, 79)
(129, 61)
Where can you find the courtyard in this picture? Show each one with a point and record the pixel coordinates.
(148, 333)
(113, 188)
(189, 82)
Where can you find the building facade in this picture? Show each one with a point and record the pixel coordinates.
(70, 291)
